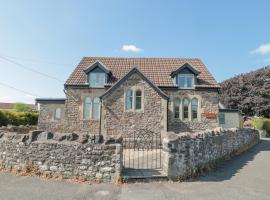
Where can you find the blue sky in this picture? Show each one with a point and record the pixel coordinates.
(231, 37)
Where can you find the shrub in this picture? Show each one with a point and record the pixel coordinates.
(266, 126)
(3, 119)
(258, 123)
(18, 118)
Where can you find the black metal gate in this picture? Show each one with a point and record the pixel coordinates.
(142, 150)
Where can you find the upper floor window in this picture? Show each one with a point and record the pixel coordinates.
(194, 108)
(97, 79)
(138, 100)
(129, 99)
(57, 113)
(176, 108)
(186, 81)
(87, 108)
(96, 108)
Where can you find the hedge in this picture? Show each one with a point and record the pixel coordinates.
(18, 118)
(261, 124)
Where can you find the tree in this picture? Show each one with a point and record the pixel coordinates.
(21, 107)
(249, 92)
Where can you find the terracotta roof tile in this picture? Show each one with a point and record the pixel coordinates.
(157, 70)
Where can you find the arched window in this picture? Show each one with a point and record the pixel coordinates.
(176, 108)
(194, 108)
(87, 108)
(185, 108)
(138, 95)
(96, 108)
(129, 98)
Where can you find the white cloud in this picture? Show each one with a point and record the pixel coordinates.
(131, 47)
(263, 49)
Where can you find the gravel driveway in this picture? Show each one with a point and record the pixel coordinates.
(245, 177)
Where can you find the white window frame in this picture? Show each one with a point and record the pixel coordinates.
(185, 76)
(134, 89)
(57, 111)
(224, 117)
(90, 110)
(93, 109)
(97, 73)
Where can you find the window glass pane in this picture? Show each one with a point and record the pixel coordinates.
(181, 81)
(138, 100)
(185, 108)
(129, 96)
(87, 108)
(97, 79)
(189, 81)
(221, 118)
(96, 108)
(185, 81)
(194, 107)
(176, 108)
(57, 113)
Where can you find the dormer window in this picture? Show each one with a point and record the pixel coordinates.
(97, 74)
(185, 76)
(186, 81)
(97, 79)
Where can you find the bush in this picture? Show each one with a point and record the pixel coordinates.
(258, 123)
(261, 124)
(18, 118)
(266, 126)
(3, 119)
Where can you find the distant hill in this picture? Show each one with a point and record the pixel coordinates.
(249, 92)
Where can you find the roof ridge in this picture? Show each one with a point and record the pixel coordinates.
(118, 57)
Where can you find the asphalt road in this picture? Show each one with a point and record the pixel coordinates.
(245, 177)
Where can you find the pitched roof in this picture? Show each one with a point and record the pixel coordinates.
(157, 70)
(132, 71)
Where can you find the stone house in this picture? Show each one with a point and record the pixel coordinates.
(112, 96)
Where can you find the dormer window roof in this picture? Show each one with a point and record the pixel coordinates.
(97, 74)
(184, 69)
(99, 65)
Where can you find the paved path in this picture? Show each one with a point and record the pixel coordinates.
(246, 177)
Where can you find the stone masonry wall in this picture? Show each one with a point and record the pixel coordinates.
(186, 155)
(208, 103)
(67, 156)
(72, 118)
(152, 116)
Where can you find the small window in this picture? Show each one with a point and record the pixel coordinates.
(194, 108)
(185, 108)
(129, 98)
(185, 81)
(138, 100)
(97, 79)
(87, 108)
(176, 108)
(96, 108)
(221, 118)
(57, 113)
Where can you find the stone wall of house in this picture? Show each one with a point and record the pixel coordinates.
(61, 155)
(46, 119)
(152, 117)
(186, 155)
(72, 118)
(208, 104)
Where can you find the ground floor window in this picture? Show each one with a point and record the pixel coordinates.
(221, 118)
(57, 114)
(186, 108)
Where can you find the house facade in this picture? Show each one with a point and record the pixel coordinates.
(113, 96)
